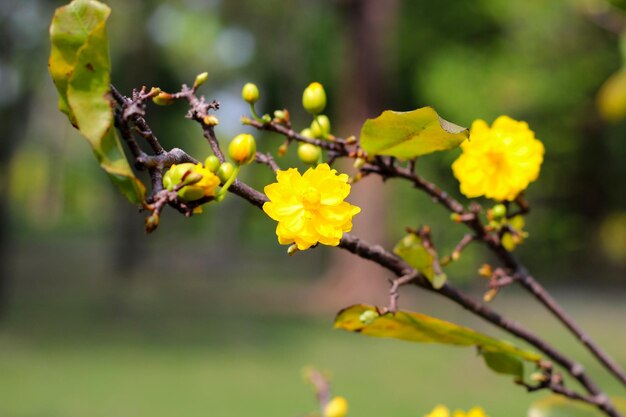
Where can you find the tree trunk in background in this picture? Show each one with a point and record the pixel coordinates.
(363, 94)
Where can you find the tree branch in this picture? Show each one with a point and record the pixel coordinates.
(375, 253)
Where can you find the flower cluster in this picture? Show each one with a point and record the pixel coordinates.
(310, 208)
(441, 411)
(498, 162)
(203, 184)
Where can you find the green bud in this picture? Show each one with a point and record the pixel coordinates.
(163, 99)
(266, 118)
(320, 127)
(280, 115)
(250, 93)
(200, 79)
(498, 211)
(242, 149)
(225, 171)
(212, 163)
(314, 98)
(307, 133)
(309, 153)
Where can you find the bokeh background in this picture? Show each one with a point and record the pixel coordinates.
(208, 316)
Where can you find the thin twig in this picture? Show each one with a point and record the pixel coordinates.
(266, 159)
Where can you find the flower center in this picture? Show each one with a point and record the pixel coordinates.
(311, 197)
(497, 159)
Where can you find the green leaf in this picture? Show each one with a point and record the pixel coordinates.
(558, 406)
(407, 135)
(80, 68)
(500, 356)
(504, 363)
(412, 250)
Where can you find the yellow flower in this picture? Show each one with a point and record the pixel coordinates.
(498, 162)
(441, 411)
(309, 208)
(337, 407)
(474, 412)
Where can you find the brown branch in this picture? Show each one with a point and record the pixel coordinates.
(554, 383)
(266, 159)
(134, 110)
(418, 182)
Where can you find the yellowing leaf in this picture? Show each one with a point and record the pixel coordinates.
(499, 355)
(80, 68)
(412, 250)
(407, 135)
(558, 406)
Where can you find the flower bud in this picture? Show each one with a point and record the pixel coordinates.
(200, 79)
(485, 270)
(498, 212)
(307, 133)
(359, 163)
(212, 163)
(281, 115)
(225, 171)
(308, 153)
(163, 99)
(490, 295)
(242, 149)
(282, 150)
(211, 120)
(291, 250)
(152, 222)
(320, 127)
(250, 93)
(314, 98)
(456, 217)
(337, 407)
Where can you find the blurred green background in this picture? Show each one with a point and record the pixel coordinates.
(208, 316)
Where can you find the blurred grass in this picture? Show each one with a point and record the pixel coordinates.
(79, 343)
